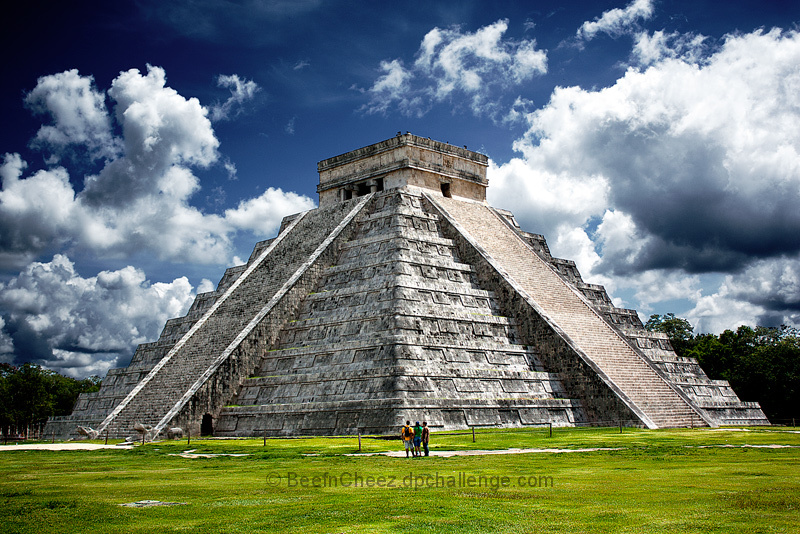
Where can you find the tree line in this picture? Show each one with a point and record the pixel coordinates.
(29, 394)
(761, 364)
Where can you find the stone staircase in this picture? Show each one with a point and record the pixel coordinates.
(657, 403)
(714, 399)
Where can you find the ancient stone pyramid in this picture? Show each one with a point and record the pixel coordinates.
(404, 296)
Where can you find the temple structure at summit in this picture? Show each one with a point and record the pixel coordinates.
(404, 296)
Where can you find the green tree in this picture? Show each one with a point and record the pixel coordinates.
(761, 364)
(715, 357)
(679, 330)
(31, 404)
(6, 418)
(30, 394)
(64, 391)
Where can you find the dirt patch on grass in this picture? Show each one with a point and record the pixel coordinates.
(448, 454)
(61, 447)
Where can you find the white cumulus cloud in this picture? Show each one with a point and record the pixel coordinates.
(690, 165)
(766, 292)
(242, 91)
(36, 213)
(263, 214)
(451, 62)
(137, 203)
(140, 200)
(616, 22)
(649, 49)
(78, 113)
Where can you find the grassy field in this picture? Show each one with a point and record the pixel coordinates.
(658, 481)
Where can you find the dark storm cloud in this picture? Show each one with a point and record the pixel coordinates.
(679, 190)
(28, 344)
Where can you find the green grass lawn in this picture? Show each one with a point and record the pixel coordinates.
(659, 481)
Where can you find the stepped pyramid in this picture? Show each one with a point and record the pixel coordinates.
(404, 296)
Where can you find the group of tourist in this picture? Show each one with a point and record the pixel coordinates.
(414, 437)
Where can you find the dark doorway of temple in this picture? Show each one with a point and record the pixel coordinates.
(207, 426)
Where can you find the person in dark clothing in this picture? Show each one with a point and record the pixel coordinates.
(426, 436)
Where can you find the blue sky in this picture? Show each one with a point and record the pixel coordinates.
(148, 145)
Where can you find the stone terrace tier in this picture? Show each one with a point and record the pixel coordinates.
(397, 329)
